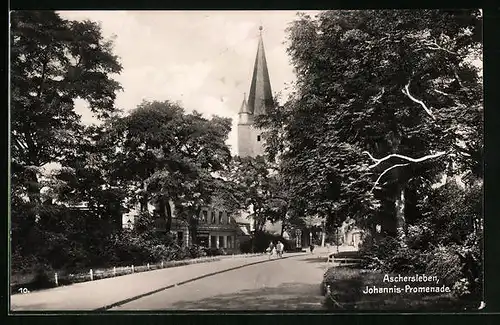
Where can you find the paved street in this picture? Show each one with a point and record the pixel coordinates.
(287, 284)
(97, 294)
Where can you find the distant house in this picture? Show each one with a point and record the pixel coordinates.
(351, 234)
(215, 229)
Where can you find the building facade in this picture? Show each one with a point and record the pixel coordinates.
(215, 229)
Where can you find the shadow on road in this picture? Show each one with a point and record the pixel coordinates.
(316, 259)
(288, 296)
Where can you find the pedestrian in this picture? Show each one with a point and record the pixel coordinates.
(271, 249)
(280, 248)
(273, 252)
(311, 247)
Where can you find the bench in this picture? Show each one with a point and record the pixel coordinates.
(344, 258)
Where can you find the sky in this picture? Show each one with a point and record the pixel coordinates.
(203, 59)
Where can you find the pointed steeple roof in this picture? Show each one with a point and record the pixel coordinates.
(244, 105)
(260, 97)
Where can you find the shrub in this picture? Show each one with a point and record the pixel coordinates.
(444, 263)
(196, 251)
(215, 252)
(459, 266)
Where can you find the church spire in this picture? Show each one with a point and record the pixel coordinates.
(260, 96)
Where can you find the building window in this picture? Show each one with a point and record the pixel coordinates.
(221, 217)
(258, 138)
(229, 242)
(212, 215)
(221, 242)
(213, 241)
(204, 216)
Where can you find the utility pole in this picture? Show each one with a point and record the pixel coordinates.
(323, 234)
(337, 237)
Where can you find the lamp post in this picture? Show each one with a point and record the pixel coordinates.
(323, 235)
(337, 237)
(335, 207)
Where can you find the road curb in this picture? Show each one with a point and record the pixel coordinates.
(122, 302)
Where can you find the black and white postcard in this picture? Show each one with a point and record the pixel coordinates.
(327, 161)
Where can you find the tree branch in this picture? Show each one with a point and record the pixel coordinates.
(416, 160)
(455, 72)
(386, 171)
(377, 98)
(406, 91)
(435, 47)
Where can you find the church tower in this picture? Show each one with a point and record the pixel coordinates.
(250, 142)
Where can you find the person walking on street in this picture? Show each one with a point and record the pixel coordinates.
(271, 249)
(280, 248)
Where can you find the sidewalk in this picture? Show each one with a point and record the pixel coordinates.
(321, 252)
(100, 293)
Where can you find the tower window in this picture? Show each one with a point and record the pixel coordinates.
(258, 138)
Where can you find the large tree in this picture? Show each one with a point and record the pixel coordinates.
(53, 62)
(386, 102)
(262, 191)
(168, 156)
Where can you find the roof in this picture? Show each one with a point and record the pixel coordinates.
(240, 219)
(244, 105)
(260, 97)
(243, 230)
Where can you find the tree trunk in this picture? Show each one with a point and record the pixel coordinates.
(193, 226)
(33, 195)
(165, 212)
(400, 215)
(168, 225)
(255, 231)
(33, 187)
(144, 199)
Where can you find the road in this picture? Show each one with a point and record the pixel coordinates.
(237, 283)
(282, 284)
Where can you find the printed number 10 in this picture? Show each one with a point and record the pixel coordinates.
(23, 290)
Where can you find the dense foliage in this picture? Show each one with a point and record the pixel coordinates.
(54, 62)
(387, 105)
(71, 183)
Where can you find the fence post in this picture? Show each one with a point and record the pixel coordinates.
(114, 270)
(132, 269)
(148, 266)
(55, 277)
(91, 275)
(162, 264)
